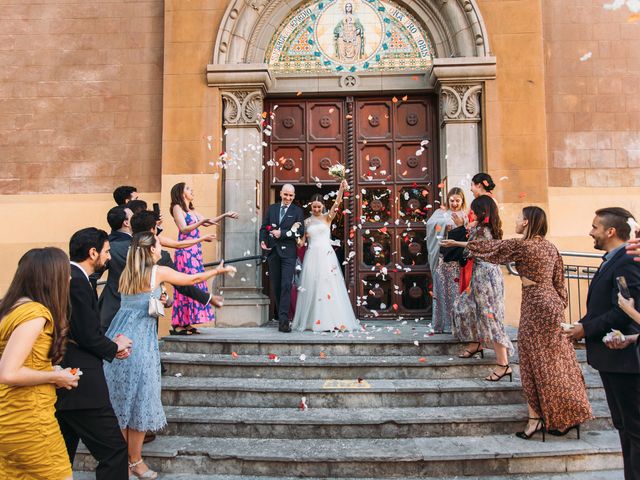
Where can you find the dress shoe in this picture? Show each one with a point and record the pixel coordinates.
(284, 327)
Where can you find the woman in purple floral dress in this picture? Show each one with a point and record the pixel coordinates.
(186, 311)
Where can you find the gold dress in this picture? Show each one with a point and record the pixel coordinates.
(31, 445)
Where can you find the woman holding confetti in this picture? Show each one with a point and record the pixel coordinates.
(323, 302)
(444, 268)
(479, 311)
(33, 335)
(186, 311)
(551, 376)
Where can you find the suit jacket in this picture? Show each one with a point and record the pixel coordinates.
(110, 298)
(109, 302)
(285, 246)
(87, 347)
(603, 314)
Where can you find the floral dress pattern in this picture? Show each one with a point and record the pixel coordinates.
(551, 376)
(187, 311)
(479, 310)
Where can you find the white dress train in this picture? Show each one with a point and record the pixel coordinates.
(323, 302)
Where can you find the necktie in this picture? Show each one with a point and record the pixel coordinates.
(283, 210)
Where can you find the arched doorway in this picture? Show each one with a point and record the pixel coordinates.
(345, 63)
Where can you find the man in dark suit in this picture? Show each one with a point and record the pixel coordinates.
(119, 219)
(85, 413)
(619, 369)
(283, 224)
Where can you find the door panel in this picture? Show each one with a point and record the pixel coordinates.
(373, 121)
(289, 122)
(321, 159)
(326, 121)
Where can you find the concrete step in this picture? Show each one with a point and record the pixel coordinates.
(590, 475)
(376, 458)
(387, 339)
(284, 393)
(335, 367)
(357, 423)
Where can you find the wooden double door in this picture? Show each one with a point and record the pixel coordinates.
(394, 179)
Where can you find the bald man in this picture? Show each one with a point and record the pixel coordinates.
(283, 224)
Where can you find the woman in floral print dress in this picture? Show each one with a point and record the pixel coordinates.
(479, 310)
(551, 376)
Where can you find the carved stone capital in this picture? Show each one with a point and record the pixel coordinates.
(460, 103)
(242, 107)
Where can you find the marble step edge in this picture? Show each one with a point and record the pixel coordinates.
(311, 360)
(433, 449)
(589, 475)
(267, 385)
(357, 416)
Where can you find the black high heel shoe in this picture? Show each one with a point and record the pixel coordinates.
(470, 354)
(496, 377)
(539, 428)
(562, 433)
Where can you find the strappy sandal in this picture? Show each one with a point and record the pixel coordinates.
(539, 428)
(184, 331)
(193, 330)
(470, 354)
(496, 377)
(147, 475)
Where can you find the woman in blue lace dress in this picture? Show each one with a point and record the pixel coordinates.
(134, 384)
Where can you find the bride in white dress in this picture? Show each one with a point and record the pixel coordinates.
(323, 302)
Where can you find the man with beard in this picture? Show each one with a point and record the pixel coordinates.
(619, 369)
(85, 413)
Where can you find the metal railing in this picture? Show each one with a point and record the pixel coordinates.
(578, 278)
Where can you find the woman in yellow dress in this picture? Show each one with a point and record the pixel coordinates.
(33, 328)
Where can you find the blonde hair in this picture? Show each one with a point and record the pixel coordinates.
(457, 191)
(136, 276)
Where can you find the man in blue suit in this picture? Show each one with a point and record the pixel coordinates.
(619, 369)
(283, 225)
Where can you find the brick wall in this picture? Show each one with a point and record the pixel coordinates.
(593, 105)
(80, 95)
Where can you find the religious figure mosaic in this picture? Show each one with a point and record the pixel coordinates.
(349, 36)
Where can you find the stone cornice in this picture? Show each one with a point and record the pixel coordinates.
(248, 76)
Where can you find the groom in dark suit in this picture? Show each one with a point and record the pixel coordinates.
(619, 369)
(283, 224)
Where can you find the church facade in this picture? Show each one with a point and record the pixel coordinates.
(238, 97)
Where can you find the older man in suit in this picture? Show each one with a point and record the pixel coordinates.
(619, 369)
(282, 225)
(85, 413)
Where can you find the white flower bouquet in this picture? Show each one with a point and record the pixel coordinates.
(338, 171)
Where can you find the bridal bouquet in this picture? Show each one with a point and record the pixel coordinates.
(338, 171)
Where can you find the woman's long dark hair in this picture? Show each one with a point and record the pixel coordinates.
(177, 199)
(537, 226)
(43, 276)
(486, 212)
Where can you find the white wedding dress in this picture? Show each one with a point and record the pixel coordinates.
(323, 302)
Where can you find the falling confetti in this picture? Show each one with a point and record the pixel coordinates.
(586, 56)
(234, 355)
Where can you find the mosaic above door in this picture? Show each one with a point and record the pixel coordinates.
(348, 36)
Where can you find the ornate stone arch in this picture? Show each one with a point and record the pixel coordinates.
(456, 27)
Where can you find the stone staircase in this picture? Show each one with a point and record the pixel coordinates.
(391, 402)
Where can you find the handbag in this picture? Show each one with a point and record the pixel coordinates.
(156, 307)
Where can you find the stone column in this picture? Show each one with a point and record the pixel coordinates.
(245, 305)
(460, 85)
(461, 133)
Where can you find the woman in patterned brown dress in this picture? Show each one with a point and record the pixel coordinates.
(551, 377)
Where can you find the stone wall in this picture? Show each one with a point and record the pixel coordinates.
(80, 95)
(592, 58)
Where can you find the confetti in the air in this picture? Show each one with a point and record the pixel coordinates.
(586, 56)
